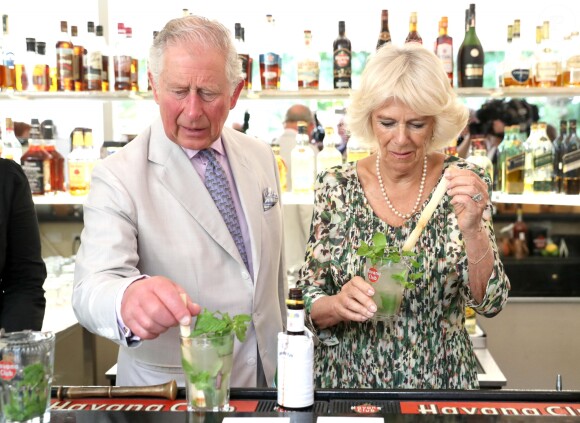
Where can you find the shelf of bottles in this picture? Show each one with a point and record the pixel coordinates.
(507, 92)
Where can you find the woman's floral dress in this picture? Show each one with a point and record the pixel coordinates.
(426, 346)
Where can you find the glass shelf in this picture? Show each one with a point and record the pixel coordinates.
(291, 198)
(291, 95)
(61, 198)
(540, 199)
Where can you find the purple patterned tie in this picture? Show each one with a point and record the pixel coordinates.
(217, 184)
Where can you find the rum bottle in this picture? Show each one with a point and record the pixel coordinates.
(41, 73)
(470, 56)
(295, 370)
(94, 62)
(540, 162)
(25, 67)
(517, 65)
(571, 162)
(77, 165)
(444, 48)
(548, 72)
(64, 60)
(244, 56)
(385, 34)
(303, 164)
(329, 156)
(78, 59)
(8, 70)
(122, 61)
(413, 36)
(559, 143)
(282, 167)
(36, 163)
(342, 58)
(57, 160)
(102, 46)
(270, 61)
(308, 64)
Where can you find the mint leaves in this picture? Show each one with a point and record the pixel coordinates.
(379, 252)
(219, 324)
(28, 397)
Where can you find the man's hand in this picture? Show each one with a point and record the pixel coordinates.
(152, 305)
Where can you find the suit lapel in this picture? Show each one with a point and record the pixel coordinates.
(248, 187)
(180, 178)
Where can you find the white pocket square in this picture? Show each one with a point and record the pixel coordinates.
(269, 198)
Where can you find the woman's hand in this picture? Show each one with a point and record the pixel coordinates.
(353, 303)
(469, 198)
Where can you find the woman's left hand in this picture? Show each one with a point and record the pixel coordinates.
(469, 198)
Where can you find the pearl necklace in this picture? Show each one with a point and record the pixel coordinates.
(421, 186)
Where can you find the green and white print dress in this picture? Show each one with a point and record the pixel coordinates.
(426, 345)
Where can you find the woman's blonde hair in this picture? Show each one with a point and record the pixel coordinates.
(415, 76)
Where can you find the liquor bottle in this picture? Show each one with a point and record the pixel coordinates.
(8, 71)
(77, 165)
(92, 154)
(548, 71)
(303, 164)
(470, 56)
(451, 149)
(571, 63)
(122, 61)
(479, 157)
(558, 149)
(413, 36)
(444, 48)
(295, 370)
(57, 160)
(503, 66)
(355, 150)
(517, 70)
(244, 56)
(308, 64)
(342, 59)
(102, 46)
(64, 60)
(385, 34)
(282, 167)
(512, 159)
(521, 235)
(24, 68)
(36, 162)
(134, 65)
(94, 60)
(270, 61)
(540, 162)
(329, 156)
(78, 59)
(571, 162)
(41, 73)
(11, 147)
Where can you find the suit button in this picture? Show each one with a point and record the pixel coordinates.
(251, 361)
(245, 275)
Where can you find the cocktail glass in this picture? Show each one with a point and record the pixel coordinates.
(26, 370)
(207, 363)
(388, 291)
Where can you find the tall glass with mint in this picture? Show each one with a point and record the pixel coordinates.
(26, 371)
(390, 272)
(207, 356)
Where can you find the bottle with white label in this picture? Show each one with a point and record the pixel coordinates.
(295, 373)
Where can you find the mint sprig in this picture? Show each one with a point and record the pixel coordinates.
(378, 252)
(220, 324)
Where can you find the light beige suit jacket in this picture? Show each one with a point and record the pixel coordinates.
(149, 213)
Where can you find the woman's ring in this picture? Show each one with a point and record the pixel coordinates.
(477, 197)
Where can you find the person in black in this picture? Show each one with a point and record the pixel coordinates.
(22, 270)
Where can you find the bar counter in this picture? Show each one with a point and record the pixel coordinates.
(338, 404)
